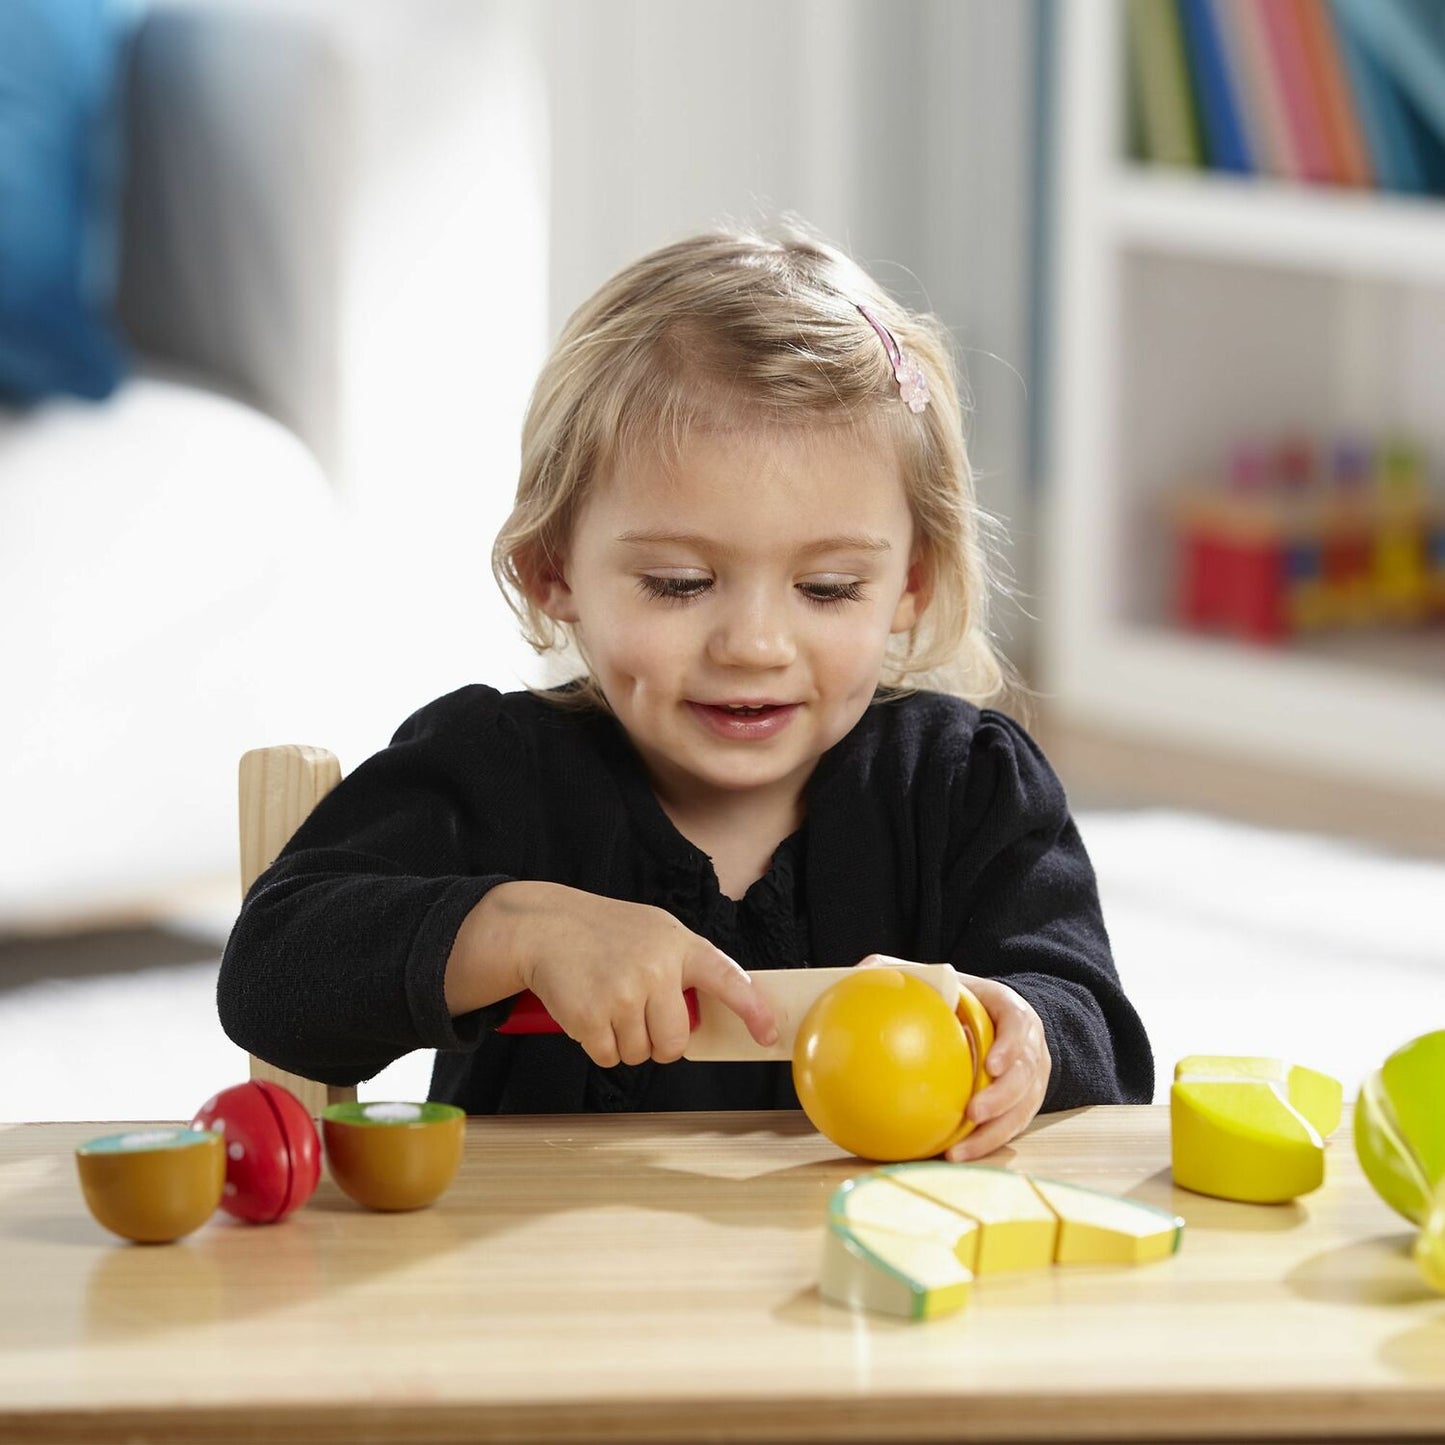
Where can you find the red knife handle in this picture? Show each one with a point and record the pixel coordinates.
(529, 1015)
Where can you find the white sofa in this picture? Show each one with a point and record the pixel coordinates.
(334, 280)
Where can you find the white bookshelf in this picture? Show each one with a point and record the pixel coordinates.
(1189, 310)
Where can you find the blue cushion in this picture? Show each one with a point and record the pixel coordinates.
(60, 143)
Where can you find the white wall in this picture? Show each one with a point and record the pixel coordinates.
(900, 128)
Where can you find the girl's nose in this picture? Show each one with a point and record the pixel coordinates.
(752, 634)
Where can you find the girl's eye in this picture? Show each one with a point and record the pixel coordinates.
(673, 589)
(828, 593)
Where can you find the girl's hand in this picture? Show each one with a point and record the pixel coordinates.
(1019, 1063)
(611, 973)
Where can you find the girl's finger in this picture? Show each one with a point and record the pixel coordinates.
(600, 1046)
(633, 1044)
(711, 970)
(668, 1026)
(1007, 1092)
(989, 1136)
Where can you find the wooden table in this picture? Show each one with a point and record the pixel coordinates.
(652, 1278)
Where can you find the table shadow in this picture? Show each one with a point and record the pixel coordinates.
(1378, 1271)
(1205, 1212)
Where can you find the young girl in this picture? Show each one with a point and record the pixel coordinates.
(745, 501)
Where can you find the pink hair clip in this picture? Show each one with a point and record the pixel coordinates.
(912, 383)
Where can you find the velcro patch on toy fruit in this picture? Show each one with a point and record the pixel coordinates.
(273, 1153)
(909, 1239)
(1250, 1129)
(885, 1069)
(1400, 1142)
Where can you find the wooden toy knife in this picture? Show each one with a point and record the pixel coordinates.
(719, 1035)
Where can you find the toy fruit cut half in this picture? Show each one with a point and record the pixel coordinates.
(393, 1156)
(979, 1027)
(1400, 1127)
(1250, 1129)
(152, 1185)
(885, 1068)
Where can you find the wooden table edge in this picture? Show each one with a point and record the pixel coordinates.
(1241, 1416)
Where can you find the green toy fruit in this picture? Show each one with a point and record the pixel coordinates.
(1400, 1140)
(1400, 1126)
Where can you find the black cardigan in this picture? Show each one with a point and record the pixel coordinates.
(934, 832)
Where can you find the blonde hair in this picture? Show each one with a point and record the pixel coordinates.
(743, 329)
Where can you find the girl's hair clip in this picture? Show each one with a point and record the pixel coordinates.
(912, 383)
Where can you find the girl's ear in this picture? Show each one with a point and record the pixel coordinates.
(917, 592)
(544, 580)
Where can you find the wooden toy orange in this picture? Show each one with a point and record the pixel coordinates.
(885, 1069)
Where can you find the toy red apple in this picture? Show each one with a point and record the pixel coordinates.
(273, 1154)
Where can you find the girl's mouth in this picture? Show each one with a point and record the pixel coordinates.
(745, 721)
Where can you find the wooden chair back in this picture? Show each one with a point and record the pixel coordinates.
(279, 787)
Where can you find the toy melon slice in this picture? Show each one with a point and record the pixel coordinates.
(916, 1276)
(1017, 1230)
(1099, 1228)
(1250, 1129)
(875, 1201)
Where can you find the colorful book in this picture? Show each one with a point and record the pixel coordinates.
(1226, 145)
(1161, 76)
(1389, 132)
(1406, 38)
(1301, 105)
(1348, 157)
(1428, 144)
(1242, 28)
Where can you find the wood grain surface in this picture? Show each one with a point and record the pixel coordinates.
(652, 1278)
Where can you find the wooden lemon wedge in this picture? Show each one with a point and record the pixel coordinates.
(1250, 1129)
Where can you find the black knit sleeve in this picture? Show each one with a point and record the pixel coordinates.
(336, 964)
(1031, 917)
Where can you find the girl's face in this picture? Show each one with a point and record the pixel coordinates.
(735, 611)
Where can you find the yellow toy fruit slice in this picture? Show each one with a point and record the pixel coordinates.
(1017, 1229)
(876, 1201)
(1318, 1097)
(915, 1276)
(1099, 1228)
(1250, 1129)
(1241, 1140)
(978, 1026)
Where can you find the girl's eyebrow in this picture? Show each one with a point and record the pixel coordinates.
(847, 542)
